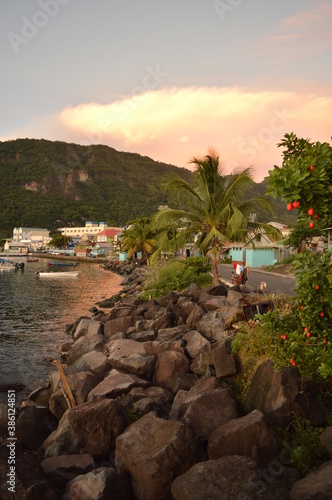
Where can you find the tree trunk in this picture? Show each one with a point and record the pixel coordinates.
(215, 270)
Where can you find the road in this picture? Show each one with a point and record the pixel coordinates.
(275, 283)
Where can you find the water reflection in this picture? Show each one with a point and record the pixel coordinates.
(34, 313)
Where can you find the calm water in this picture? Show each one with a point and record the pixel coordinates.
(34, 313)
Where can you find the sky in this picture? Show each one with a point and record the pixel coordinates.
(169, 79)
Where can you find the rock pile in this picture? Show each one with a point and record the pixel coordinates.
(155, 415)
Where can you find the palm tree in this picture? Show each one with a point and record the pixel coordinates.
(139, 238)
(212, 209)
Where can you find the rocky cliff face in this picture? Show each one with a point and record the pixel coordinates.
(154, 413)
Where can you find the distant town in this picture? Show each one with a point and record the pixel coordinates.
(97, 239)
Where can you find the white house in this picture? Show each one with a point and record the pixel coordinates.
(90, 229)
(33, 237)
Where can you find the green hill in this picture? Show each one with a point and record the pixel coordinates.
(51, 184)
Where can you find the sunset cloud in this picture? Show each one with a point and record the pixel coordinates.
(173, 125)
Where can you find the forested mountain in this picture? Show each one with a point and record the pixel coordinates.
(50, 184)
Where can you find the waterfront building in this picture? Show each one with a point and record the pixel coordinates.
(89, 231)
(34, 238)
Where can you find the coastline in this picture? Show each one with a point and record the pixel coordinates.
(159, 374)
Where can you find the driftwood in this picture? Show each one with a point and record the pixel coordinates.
(16, 386)
(65, 384)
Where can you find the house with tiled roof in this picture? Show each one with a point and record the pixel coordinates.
(107, 240)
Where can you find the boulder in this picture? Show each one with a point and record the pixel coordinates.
(143, 336)
(235, 295)
(154, 348)
(316, 485)
(153, 308)
(219, 290)
(249, 436)
(116, 384)
(81, 328)
(194, 343)
(88, 326)
(203, 361)
(212, 327)
(33, 426)
(156, 397)
(87, 343)
(169, 298)
(65, 347)
(229, 478)
(185, 306)
(231, 314)
(326, 440)
(99, 484)
(196, 314)
(91, 427)
(41, 395)
(277, 395)
(64, 468)
(214, 303)
(183, 399)
(78, 463)
(170, 334)
(81, 384)
(224, 362)
(95, 362)
(121, 324)
(129, 355)
(164, 320)
(120, 311)
(154, 452)
(210, 411)
(171, 372)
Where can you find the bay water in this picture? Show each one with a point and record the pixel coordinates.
(34, 313)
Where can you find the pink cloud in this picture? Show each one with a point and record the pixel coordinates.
(173, 125)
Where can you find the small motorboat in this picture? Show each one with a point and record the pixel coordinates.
(5, 266)
(9, 265)
(32, 259)
(59, 274)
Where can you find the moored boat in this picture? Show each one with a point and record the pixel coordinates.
(8, 265)
(32, 259)
(59, 274)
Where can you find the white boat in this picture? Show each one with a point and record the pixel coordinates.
(64, 274)
(7, 267)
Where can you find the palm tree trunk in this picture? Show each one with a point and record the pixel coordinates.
(215, 270)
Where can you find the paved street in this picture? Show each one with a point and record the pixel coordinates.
(275, 283)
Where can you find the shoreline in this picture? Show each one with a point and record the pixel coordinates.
(159, 373)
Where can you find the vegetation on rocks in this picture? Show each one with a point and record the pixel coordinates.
(177, 275)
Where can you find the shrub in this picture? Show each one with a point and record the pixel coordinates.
(304, 449)
(174, 275)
